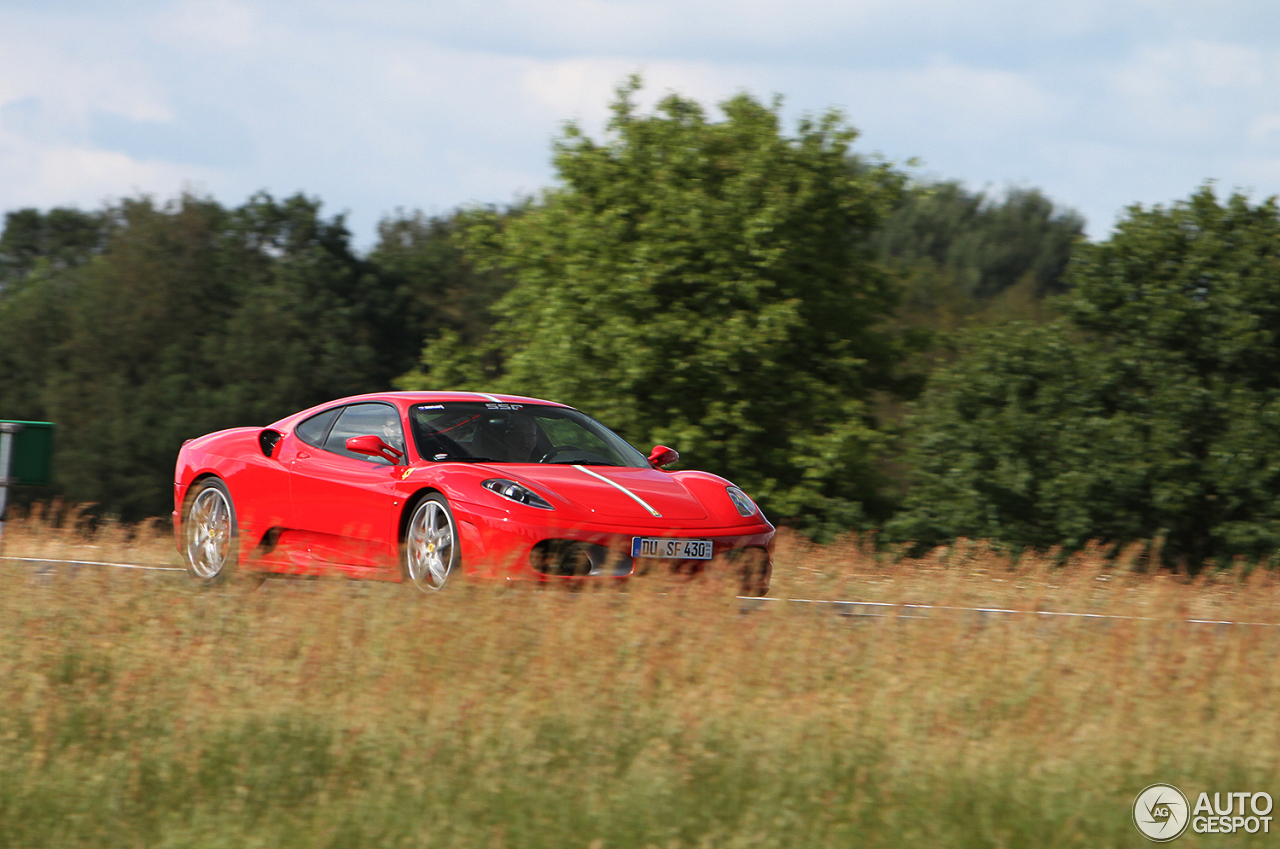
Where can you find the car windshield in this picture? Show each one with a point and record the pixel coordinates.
(517, 433)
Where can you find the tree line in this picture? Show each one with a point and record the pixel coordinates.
(857, 348)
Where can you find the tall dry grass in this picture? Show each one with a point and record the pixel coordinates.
(140, 711)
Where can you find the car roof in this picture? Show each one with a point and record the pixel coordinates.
(452, 395)
(411, 398)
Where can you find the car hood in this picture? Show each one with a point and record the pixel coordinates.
(610, 491)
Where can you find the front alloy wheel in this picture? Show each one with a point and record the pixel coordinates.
(431, 544)
(210, 533)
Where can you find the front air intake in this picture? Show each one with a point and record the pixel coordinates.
(566, 558)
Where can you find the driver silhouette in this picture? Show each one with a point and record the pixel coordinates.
(512, 438)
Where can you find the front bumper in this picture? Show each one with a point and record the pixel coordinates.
(498, 544)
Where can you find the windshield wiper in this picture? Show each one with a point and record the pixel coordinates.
(467, 460)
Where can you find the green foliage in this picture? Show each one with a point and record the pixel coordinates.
(192, 318)
(60, 238)
(442, 290)
(964, 259)
(987, 245)
(1151, 411)
(1026, 438)
(705, 284)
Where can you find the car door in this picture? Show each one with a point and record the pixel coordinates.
(345, 503)
(260, 486)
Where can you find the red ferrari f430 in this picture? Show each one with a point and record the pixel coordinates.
(426, 486)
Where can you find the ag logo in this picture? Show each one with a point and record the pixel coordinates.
(1161, 812)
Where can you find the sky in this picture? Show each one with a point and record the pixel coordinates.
(379, 105)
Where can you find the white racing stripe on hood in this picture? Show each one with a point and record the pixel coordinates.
(622, 488)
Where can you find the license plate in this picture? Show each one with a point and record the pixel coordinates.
(671, 549)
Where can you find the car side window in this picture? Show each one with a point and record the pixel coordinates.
(381, 420)
(314, 430)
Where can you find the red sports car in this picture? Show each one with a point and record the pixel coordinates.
(421, 486)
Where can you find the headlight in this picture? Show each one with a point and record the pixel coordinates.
(518, 493)
(745, 505)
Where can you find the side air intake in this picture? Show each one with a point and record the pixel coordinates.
(268, 440)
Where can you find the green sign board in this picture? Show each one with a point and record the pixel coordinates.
(31, 458)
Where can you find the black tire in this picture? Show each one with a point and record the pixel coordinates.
(210, 534)
(430, 553)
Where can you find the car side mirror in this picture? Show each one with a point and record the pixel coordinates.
(661, 456)
(373, 446)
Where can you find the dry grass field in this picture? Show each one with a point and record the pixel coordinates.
(137, 710)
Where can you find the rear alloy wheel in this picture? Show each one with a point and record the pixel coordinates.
(209, 533)
(431, 544)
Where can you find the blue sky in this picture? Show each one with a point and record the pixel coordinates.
(417, 104)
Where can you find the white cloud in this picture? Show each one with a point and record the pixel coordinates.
(962, 103)
(1265, 129)
(210, 25)
(427, 103)
(1205, 98)
(582, 89)
(74, 69)
(46, 175)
